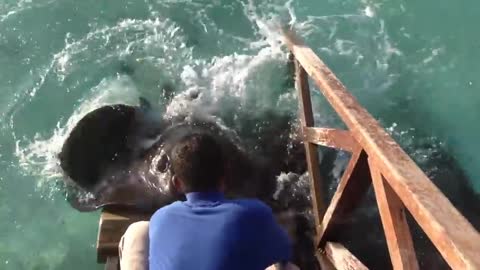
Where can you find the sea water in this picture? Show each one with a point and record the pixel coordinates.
(413, 64)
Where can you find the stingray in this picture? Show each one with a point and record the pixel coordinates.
(119, 155)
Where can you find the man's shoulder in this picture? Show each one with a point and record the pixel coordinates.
(166, 210)
(251, 207)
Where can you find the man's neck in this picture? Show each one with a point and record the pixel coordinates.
(205, 196)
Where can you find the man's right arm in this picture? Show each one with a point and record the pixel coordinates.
(273, 241)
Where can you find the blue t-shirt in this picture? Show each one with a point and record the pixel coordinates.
(208, 232)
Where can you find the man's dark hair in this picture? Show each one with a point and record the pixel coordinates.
(197, 161)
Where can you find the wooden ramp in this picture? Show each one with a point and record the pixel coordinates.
(398, 183)
(113, 224)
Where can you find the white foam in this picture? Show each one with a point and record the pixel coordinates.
(434, 53)
(298, 185)
(213, 80)
(369, 12)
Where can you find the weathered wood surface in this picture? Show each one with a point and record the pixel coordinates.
(353, 185)
(113, 224)
(341, 258)
(324, 261)
(333, 138)
(397, 233)
(450, 232)
(307, 120)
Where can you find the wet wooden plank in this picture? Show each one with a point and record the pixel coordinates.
(449, 231)
(113, 224)
(397, 233)
(307, 120)
(324, 261)
(353, 185)
(333, 138)
(341, 258)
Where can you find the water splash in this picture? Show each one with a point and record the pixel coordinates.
(218, 83)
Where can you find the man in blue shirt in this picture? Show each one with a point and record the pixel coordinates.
(207, 231)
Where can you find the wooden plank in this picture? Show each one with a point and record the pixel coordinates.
(333, 138)
(397, 233)
(113, 224)
(341, 258)
(112, 263)
(450, 232)
(303, 90)
(324, 261)
(353, 185)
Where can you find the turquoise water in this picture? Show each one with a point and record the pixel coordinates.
(413, 64)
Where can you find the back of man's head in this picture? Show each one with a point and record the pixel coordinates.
(197, 161)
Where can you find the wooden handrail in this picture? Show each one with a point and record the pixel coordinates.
(396, 175)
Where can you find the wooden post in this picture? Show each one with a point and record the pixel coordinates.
(307, 120)
(397, 233)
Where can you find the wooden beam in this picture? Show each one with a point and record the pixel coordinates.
(341, 258)
(395, 226)
(449, 231)
(113, 224)
(305, 101)
(333, 138)
(303, 90)
(324, 261)
(353, 185)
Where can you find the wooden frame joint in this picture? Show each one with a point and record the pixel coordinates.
(333, 138)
